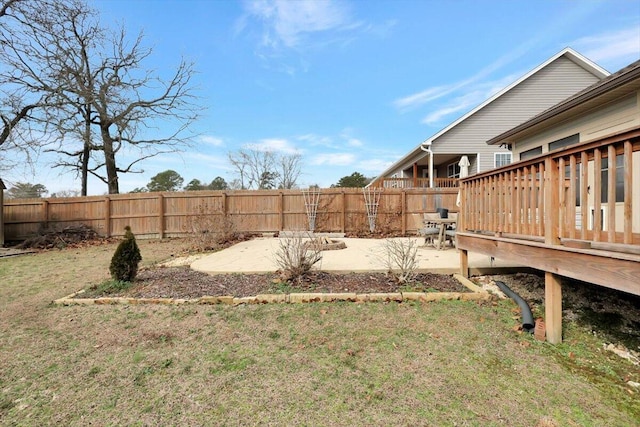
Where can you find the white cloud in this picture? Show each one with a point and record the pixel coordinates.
(347, 135)
(334, 159)
(287, 22)
(420, 98)
(273, 144)
(373, 165)
(208, 161)
(354, 142)
(475, 95)
(619, 46)
(316, 140)
(212, 140)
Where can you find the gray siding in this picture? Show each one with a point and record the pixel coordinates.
(614, 117)
(550, 85)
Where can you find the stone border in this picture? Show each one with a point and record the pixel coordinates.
(295, 298)
(333, 246)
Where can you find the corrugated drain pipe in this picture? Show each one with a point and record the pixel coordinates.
(528, 324)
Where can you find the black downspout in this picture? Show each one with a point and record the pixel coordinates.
(528, 324)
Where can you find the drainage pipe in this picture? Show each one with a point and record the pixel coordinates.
(528, 325)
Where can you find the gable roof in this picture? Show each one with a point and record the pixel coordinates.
(566, 52)
(616, 80)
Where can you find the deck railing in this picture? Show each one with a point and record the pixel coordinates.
(589, 192)
(416, 183)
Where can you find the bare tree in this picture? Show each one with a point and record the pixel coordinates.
(129, 100)
(255, 168)
(289, 169)
(96, 89)
(262, 170)
(78, 34)
(25, 86)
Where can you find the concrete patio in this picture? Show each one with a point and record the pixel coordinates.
(360, 255)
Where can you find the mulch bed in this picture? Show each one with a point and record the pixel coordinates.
(183, 282)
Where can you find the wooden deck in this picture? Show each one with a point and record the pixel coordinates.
(553, 213)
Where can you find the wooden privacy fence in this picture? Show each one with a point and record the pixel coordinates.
(153, 215)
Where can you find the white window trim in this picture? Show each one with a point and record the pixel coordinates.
(495, 158)
(454, 164)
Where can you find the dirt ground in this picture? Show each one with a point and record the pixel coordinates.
(612, 314)
(182, 282)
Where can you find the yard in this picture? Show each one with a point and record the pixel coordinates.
(445, 363)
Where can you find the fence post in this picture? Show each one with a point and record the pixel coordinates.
(403, 213)
(281, 210)
(224, 205)
(343, 214)
(45, 213)
(107, 216)
(161, 215)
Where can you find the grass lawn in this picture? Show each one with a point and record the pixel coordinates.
(445, 363)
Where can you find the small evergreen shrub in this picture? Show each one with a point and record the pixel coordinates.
(124, 264)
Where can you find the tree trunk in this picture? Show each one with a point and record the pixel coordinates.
(110, 161)
(86, 152)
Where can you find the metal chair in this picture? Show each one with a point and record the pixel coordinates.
(450, 232)
(425, 229)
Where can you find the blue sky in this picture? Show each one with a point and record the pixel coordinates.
(350, 85)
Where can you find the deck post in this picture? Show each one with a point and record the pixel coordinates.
(551, 202)
(464, 263)
(553, 307)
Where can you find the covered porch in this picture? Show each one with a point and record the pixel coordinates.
(573, 213)
(434, 170)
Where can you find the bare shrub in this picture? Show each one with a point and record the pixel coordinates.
(295, 258)
(400, 257)
(210, 230)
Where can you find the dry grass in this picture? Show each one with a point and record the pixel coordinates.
(452, 363)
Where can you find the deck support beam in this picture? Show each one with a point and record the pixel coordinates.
(553, 307)
(464, 263)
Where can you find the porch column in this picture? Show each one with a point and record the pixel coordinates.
(430, 169)
(415, 175)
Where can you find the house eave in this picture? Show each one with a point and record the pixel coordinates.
(565, 107)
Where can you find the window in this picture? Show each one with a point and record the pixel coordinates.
(501, 159)
(604, 174)
(453, 170)
(564, 142)
(530, 153)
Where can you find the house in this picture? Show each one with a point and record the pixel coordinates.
(571, 205)
(437, 161)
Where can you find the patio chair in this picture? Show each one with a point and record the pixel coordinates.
(450, 232)
(425, 229)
